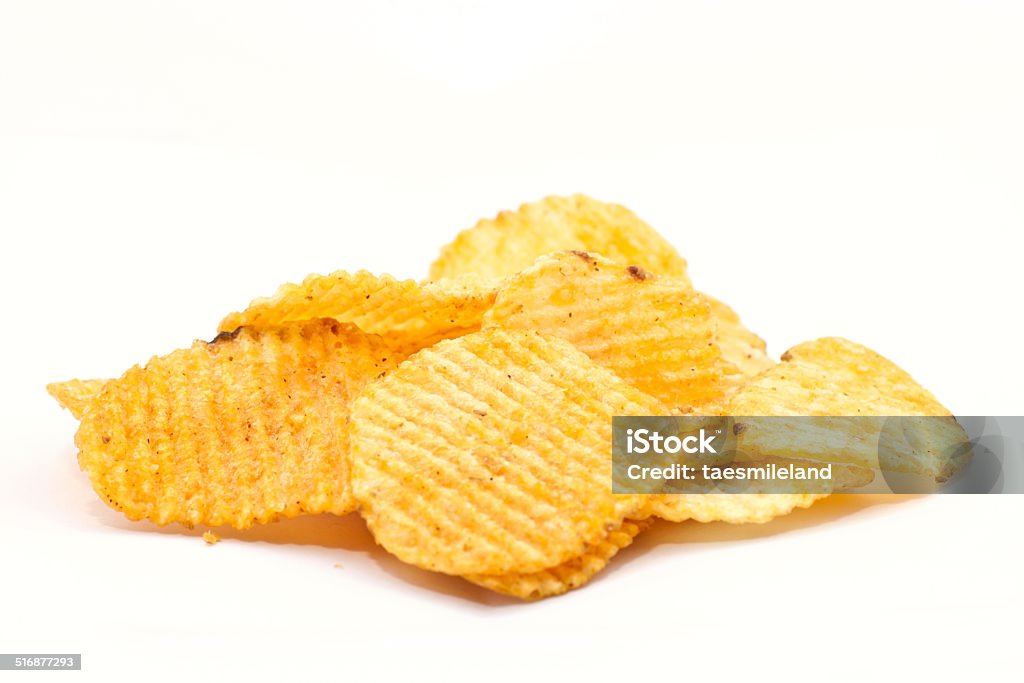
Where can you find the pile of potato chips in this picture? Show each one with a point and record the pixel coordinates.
(467, 418)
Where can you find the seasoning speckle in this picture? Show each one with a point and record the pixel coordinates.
(637, 273)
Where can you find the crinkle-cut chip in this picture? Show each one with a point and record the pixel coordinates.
(412, 314)
(835, 379)
(656, 333)
(872, 384)
(75, 394)
(490, 454)
(241, 430)
(498, 247)
(739, 346)
(734, 508)
(568, 575)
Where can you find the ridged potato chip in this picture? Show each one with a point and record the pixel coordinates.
(836, 379)
(655, 333)
(568, 575)
(244, 429)
(414, 315)
(739, 346)
(490, 454)
(826, 377)
(834, 376)
(495, 248)
(75, 394)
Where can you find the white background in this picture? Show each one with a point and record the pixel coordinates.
(851, 169)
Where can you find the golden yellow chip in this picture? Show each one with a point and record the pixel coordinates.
(244, 429)
(871, 384)
(568, 575)
(495, 248)
(826, 377)
(741, 347)
(412, 314)
(837, 379)
(656, 333)
(491, 454)
(735, 508)
(75, 394)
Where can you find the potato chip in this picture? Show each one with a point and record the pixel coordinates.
(490, 454)
(495, 248)
(412, 314)
(75, 394)
(826, 377)
(835, 378)
(655, 333)
(244, 429)
(739, 346)
(568, 575)
(871, 384)
(735, 508)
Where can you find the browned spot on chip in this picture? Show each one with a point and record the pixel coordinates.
(637, 273)
(227, 335)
